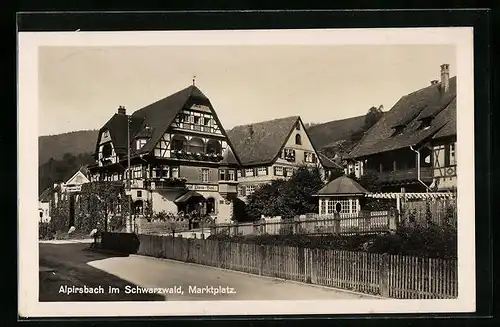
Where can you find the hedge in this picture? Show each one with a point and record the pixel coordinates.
(433, 242)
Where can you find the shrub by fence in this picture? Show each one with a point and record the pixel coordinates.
(125, 243)
(429, 212)
(387, 275)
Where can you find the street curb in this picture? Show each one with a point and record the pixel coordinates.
(267, 277)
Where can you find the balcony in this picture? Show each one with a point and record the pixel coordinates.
(196, 156)
(426, 175)
(165, 183)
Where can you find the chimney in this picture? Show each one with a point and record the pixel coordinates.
(445, 77)
(250, 130)
(434, 82)
(122, 110)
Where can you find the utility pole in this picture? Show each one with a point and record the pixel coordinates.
(129, 178)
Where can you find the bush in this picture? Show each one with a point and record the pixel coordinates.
(434, 242)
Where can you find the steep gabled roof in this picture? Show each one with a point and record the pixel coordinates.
(260, 143)
(46, 194)
(322, 135)
(153, 120)
(342, 186)
(327, 162)
(117, 127)
(402, 125)
(159, 115)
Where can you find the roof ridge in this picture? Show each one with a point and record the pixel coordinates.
(265, 121)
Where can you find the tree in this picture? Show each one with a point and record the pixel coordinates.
(371, 118)
(287, 198)
(263, 200)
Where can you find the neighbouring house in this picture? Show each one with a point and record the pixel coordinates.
(67, 191)
(181, 159)
(342, 195)
(413, 146)
(272, 150)
(44, 202)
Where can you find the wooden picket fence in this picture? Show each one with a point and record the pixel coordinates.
(392, 276)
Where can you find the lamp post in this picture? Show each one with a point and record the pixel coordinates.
(129, 177)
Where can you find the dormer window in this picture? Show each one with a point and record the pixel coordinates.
(398, 130)
(425, 123)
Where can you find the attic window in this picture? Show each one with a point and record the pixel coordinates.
(425, 123)
(398, 130)
(298, 139)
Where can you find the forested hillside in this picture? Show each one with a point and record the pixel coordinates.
(54, 171)
(55, 146)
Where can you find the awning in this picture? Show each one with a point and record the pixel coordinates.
(189, 195)
(407, 196)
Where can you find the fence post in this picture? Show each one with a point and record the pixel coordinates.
(307, 266)
(384, 275)
(336, 223)
(262, 258)
(392, 220)
(312, 258)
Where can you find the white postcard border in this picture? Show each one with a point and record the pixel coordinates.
(28, 43)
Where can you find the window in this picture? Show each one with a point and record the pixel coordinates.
(239, 173)
(250, 189)
(322, 208)
(242, 191)
(298, 139)
(262, 171)
(330, 207)
(297, 126)
(107, 150)
(205, 175)
(278, 171)
(136, 172)
(453, 160)
(196, 145)
(179, 143)
(289, 154)
(141, 143)
(174, 171)
(214, 147)
(249, 172)
(309, 157)
(288, 172)
(139, 194)
(222, 175)
(231, 175)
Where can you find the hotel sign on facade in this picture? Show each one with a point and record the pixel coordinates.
(196, 187)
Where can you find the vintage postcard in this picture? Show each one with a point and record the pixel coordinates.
(246, 172)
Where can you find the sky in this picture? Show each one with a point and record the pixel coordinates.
(82, 87)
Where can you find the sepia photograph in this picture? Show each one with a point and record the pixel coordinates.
(328, 169)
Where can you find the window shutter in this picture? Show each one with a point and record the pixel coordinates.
(255, 172)
(210, 175)
(305, 156)
(447, 155)
(314, 158)
(243, 191)
(267, 171)
(274, 171)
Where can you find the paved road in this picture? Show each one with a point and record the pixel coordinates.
(70, 264)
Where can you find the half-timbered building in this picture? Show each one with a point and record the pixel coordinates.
(271, 150)
(413, 146)
(180, 156)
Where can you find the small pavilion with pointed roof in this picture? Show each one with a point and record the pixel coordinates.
(341, 196)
